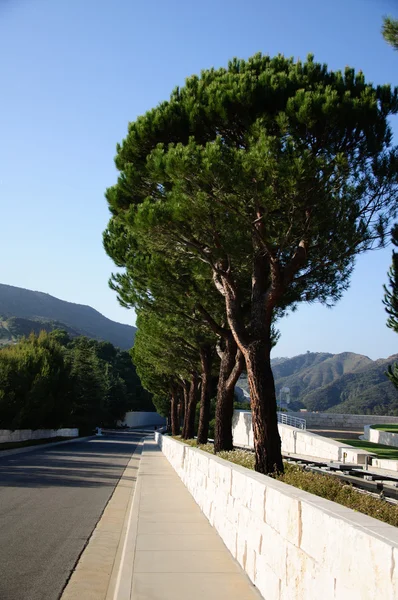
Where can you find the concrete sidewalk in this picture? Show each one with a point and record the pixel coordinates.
(171, 552)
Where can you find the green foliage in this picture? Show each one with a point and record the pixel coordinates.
(264, 180)
(330, 488)
(391, 301)
(391, 293)
(392, 374)
(51, 381)
(390, 31)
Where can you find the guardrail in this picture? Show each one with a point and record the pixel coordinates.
(287, 419)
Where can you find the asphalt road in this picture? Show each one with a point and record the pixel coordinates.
(50, 502)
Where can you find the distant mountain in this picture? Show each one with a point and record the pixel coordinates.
(23, 311)
(365, 390)
(346, 383)
(314, 370)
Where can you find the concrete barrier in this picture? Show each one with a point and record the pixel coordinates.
(24, 435)
(340, 421)
(380, 437)
(298, 441)
(142, 419)
(385, 463)
(292, 545)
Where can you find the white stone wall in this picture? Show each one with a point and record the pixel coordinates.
(23, 435)
(298, 441)
(142, 419)
(292, 545)
(337, 421)
(380, 437)
(385, 463)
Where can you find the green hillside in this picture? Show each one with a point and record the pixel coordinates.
(340, 383)
(315, 370)
(23, 311)
(366, 391)
(14, 328)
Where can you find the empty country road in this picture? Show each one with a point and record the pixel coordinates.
(50, 501)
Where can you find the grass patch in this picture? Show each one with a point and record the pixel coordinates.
(380, 450)
(389, 428)
(324, 486)
(12, 445)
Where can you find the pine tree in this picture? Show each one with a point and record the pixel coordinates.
(390, 31)
(272, 171)
(391, 301)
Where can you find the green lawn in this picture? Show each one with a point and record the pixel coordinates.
(11, 445)
(379, 450)
(391, 428)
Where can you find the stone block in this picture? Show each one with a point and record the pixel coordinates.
(266, 581)
(305, 578)
(239, 486)
(274, 548)
(232, 512)
(283, 513)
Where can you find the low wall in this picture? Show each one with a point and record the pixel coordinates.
(350, 422)
(142, 419)
(298, 441)
(290, 543)
(380, 437)
(24, 435)
(385, 463)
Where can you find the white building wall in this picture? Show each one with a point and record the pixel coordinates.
(142, 419)
(297, 441)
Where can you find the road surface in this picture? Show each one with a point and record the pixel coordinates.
(50, 501)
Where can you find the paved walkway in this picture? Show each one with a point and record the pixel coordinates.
(172, 553)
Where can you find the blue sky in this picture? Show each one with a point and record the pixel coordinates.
(75, 72)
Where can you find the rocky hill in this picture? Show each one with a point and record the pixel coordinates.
(23, 311)
(346, 383)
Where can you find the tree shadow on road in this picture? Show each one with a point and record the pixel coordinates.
(74, 465)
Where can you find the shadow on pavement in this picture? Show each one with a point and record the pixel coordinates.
(94, 463)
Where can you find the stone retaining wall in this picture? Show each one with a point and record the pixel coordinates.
(298, 441)
(292, 545)
(24, 435)
(335, 421)
(380, 437)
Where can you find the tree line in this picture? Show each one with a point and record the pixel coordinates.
(50, 380)
(251, 190)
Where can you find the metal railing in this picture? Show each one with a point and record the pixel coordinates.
(287, 419)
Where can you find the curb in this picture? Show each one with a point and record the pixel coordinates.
(122, 575)
(41, 446)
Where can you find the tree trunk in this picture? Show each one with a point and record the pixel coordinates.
(204, 415)
(230, 369)
(267, 442)
(191, 412)
(180, 413)
(186, 402)
(255, 343)
(175, 424)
